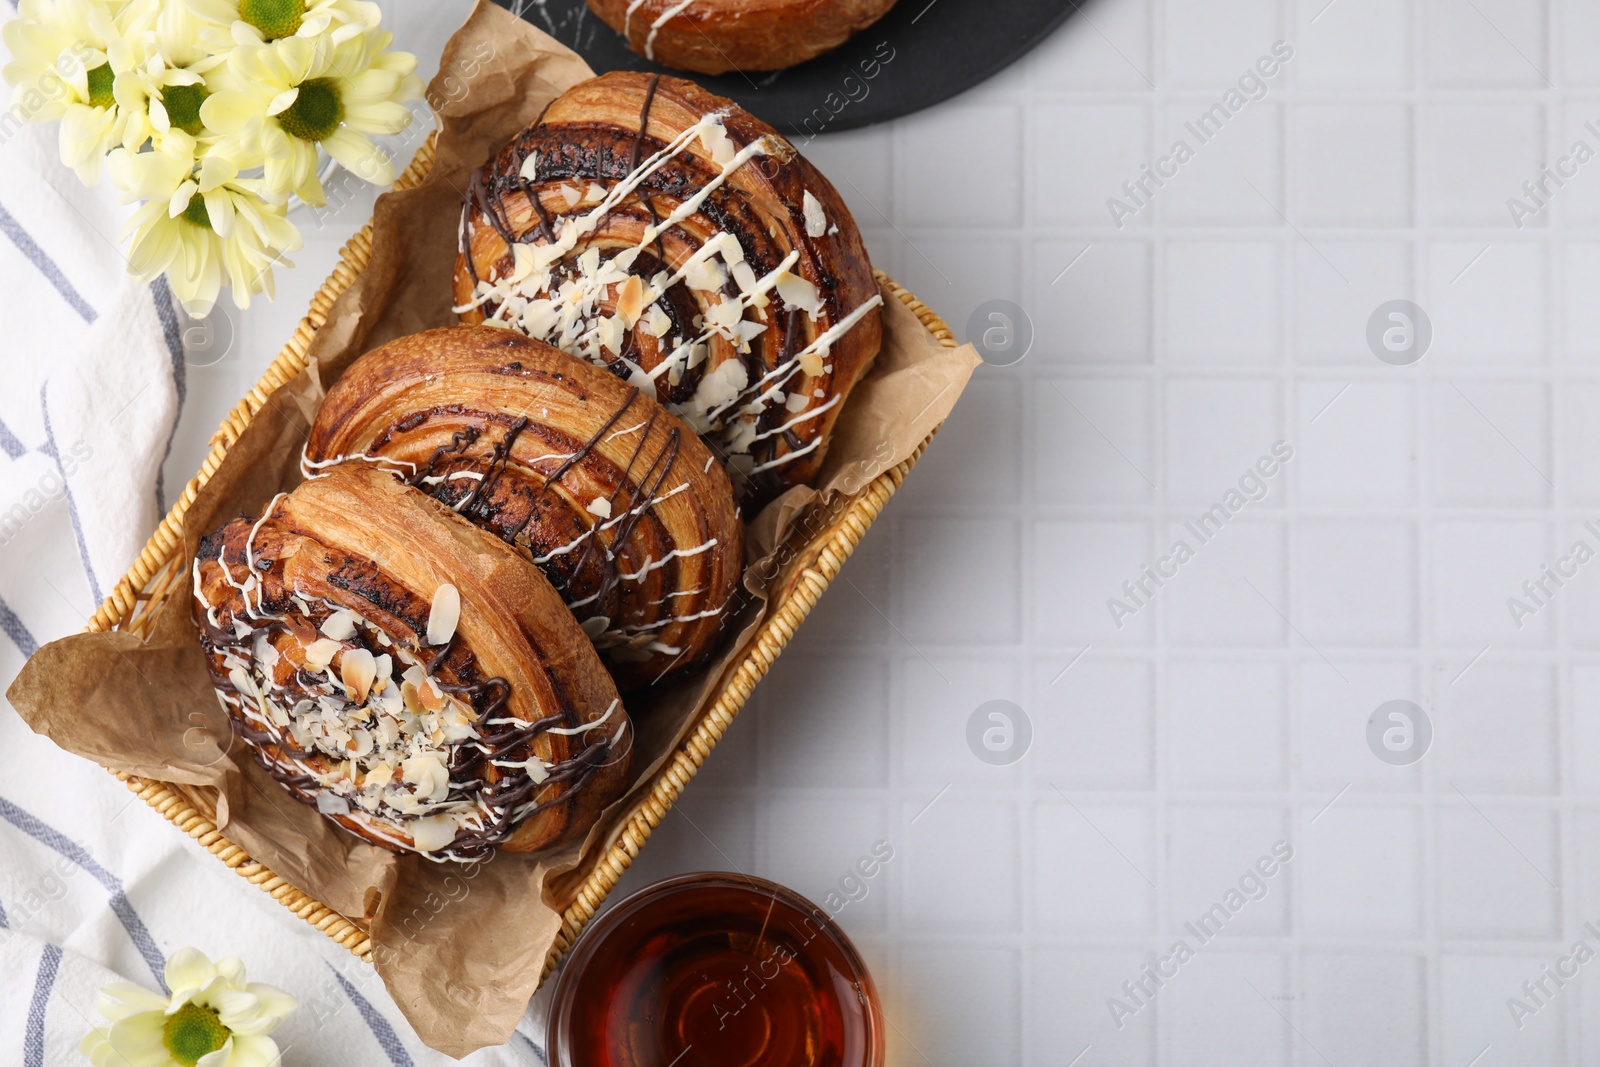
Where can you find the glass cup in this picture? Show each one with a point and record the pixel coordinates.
(715, 970)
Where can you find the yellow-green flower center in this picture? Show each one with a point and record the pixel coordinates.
(193, 1030)
(274, 18)
(196, 212)
(315, 113)
(183, 106)
(100, 79)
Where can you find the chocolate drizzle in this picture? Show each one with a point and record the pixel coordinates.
(502, 797)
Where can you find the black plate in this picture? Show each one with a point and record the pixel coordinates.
(918, 54)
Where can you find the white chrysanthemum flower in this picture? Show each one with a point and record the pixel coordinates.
(221, 24)
(200, 225)
(60, 69)
(285, 99)
(214, 1018)
(161, 75)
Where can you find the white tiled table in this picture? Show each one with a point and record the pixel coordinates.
(1169, 755)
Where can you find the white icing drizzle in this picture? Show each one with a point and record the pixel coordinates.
(574, 731)
(798, 419)
(627, 18)
(556, 296)
(309, 468)
(655, 27)
(785, 458)
(391, 751)
(676, 553)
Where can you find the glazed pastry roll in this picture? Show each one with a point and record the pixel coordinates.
(665, 234)
(624, 508)
(405, 672)
(717, 36)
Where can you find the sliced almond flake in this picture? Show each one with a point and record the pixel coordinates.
(718, 145)
(816, 221)
(657, 322)
(600, 506)
(706, 276)
(432, 832)
(241, 629)
(595, 626)
(358, 668)
(443, 614)
(796, 402)
(522, 260)
(341, 625)
(431, 696)
(799, 292)
(724, 316)
(241, 682)
(379, 775)
(331, 804)
(571, 194)
(530, 168)
(630, 300)
(744, 276)
(811, 364)
(320, 652)
(360, 743)
(721, 385)
(612, 333)
(594, 194)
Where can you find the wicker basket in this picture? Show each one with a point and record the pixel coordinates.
(811, 566)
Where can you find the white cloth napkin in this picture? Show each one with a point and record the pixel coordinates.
(94, 886)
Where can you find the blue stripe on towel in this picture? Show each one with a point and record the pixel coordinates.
(387, 1038)
(138, 933)
(33, 1037)
(30, 248)
(538, 1053)
(10, 443)
(16, 630)
(167, 312)
(72, 505)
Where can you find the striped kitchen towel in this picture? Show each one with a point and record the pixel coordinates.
(95, 887)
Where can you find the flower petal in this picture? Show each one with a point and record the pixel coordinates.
(253, 1050)
(122, 999)
(96, 1045)
(137, 1040)
(275, 1003)
(360, 156)
(177, 205)
(228, 110)
(219, 209)
(189, 969)
(218, 1057)
(382, 118)
(283, 101)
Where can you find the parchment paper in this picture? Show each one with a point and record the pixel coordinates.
(460, 948)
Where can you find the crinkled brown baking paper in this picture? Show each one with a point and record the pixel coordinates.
(459, 947)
